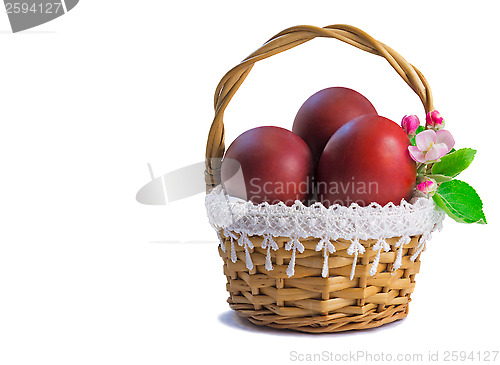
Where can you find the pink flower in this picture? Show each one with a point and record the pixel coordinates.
(434, 119)
(431, 145)
(427, 187)
(410, 124)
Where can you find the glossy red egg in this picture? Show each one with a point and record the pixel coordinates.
(366, 160)
(325, 112)
(268, 164)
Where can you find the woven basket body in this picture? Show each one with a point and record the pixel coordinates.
(309, 301)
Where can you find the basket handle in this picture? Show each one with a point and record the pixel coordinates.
(282, 41)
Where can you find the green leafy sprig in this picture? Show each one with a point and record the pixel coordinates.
(457, 198)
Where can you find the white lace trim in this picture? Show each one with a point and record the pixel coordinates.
(353, 223)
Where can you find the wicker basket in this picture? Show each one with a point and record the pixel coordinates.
(349, 297)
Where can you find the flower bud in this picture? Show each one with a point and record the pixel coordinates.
(427, 187)
(434, 120)
(410, 124)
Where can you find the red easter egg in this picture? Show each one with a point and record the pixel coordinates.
(366, 160)
(325, 112)
(268, 164)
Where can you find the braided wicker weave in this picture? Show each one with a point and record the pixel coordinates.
(310, 303)
(307, 301)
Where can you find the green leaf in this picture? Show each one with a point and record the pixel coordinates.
(454, 163)
(419, 129)
(460, 201)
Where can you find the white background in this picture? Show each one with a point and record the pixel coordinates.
(89, 276)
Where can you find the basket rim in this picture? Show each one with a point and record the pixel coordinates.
(419, 216)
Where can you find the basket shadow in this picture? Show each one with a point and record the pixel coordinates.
(233, 320)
